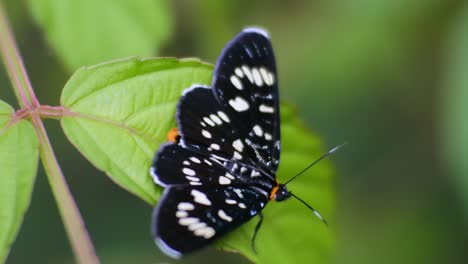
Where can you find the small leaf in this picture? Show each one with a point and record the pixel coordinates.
(86, 32)
(18, 165)
(290, 232)
(122, 111)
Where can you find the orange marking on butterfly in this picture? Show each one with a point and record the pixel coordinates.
(274, 190)
(173, 135)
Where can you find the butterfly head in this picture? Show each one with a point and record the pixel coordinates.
(280, 193)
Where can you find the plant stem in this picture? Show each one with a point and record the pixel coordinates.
(14, 65)
(76, 230)
(71, 217)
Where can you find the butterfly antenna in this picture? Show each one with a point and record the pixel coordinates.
(316, 213)
(331, 151)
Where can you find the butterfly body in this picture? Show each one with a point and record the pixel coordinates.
(221, 171)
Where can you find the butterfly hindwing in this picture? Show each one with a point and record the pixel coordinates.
(245, 82)
(190, 217)
(175, 165)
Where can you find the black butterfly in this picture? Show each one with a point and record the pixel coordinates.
(221, 172)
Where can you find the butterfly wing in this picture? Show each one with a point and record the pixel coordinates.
(238, 118)
(176, 165)
(245, 83)
(206, 127)
(190, 217)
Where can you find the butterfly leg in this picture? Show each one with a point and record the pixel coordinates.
(257, 227)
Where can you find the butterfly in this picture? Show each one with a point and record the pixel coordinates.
(220, 172)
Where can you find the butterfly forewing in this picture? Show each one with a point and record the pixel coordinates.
(205, 126)
(245, 82)
(190, 217)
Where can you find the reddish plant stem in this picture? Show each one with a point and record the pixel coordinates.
(74, 225)
(80, 241)
(14, 65)
(9, 66)
(50, 111)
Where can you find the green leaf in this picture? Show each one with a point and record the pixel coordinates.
(122, 111)
(18, 165)
(290, 232)
(86, 32)
(455, 107)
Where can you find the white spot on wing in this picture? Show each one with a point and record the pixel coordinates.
(190, 178)
(265, 76)
(230, 201)
(196, 226)
(188, 171)
(242, 205)
(194, 159)
(266, 109)
(206, 133)
(239, 72)
(239, 104)
(268, 136)
(208, 121)
(200, 197)
(254, 173)
(236, 82)
(208, 162)
(237, 144)
(229, 176)
(272, 78)
(181, 214)
(188, 220)
(247, 73)
(258, 130)
(186, 163)
(206, 232)
(224, 180)
(237, 155)
(257, 78)
(216, 119)
(224, 116)
(185, 206)
(215, 146)
(239, 193)
(224, 216)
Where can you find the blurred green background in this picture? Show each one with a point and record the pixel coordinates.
(388, 76)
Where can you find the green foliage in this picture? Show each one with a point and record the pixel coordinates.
(290, 232)
(86, 32)
(123, 111)
(18, 163)
(455, 107)
(364, 71)
(118, 113)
